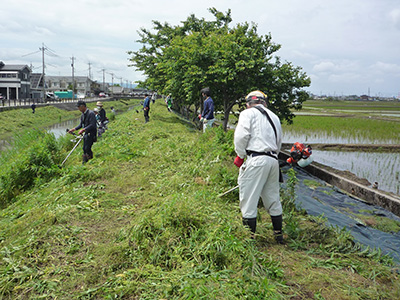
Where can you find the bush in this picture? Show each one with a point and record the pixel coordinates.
(33, 158)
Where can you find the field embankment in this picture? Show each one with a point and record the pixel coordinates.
(143, 220)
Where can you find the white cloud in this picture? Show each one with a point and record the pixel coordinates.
(395, 17)
(392, 69)
(334, 41)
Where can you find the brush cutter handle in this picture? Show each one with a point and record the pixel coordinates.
(71, 132)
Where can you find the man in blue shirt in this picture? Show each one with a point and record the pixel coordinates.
(146, 107)
(207, 117)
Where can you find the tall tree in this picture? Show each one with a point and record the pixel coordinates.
(231, 61)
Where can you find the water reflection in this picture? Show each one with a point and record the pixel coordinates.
(383, 168)
(60, 129)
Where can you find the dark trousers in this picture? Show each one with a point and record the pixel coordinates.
(146, 114)
(88, 140)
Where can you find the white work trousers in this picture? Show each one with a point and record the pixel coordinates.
(207, 124)
(259, 177)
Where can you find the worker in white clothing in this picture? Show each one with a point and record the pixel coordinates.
(258, 136)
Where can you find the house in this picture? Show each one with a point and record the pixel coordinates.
(83, 85)
(116, 90)
(15, 81)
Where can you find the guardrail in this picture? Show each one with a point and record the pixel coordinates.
(30, 101)
(7, 104)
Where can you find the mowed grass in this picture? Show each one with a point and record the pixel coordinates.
(143, 220)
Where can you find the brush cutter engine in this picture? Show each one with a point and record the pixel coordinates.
(299, 151)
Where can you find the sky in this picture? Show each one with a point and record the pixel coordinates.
(346, 47)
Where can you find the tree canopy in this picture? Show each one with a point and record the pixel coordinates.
(231, 61)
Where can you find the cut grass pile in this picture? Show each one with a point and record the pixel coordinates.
(143, 220)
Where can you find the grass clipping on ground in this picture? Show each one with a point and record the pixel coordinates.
(143, 220)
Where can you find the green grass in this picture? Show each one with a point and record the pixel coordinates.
(143, 220)
(17, 120)
(348, 119)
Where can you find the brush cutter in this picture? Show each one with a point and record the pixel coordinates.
(299, 154)
(78, 139)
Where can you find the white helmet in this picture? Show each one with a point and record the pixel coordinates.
(256, 96)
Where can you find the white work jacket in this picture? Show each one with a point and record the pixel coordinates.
(255, 133)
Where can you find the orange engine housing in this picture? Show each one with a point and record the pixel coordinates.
(299, 151)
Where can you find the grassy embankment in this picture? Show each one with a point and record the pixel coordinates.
(15, 121)
(143, 220)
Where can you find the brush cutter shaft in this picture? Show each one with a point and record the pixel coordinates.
(228, 191)
(76, 145)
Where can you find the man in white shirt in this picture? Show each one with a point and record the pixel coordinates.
(259, 138)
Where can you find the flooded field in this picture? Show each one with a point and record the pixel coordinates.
(352, 122)
(383, 168)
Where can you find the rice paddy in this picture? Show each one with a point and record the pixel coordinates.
(352, 122)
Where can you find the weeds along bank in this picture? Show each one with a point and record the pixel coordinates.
(16, 121)
(143, 220)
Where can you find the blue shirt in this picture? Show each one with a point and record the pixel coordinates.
(208, 111)
(146, 103)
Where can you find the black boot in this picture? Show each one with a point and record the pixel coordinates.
(85, 159)
(277, 225)
(251, 223)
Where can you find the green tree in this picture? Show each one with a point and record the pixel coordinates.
(231, 61)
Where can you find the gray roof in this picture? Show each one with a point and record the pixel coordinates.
(13, 67)
(67, 78)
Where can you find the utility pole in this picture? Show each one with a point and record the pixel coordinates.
(43, 68)
(90, 70)
(73, 78)
(112, 84)
(50, 52)
(104, 87)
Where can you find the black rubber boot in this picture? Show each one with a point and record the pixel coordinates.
(85, 159)
(277, 225)
(251, 223)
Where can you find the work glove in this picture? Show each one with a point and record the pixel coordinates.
(238, 161)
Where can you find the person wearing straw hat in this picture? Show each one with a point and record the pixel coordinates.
(102, 112)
